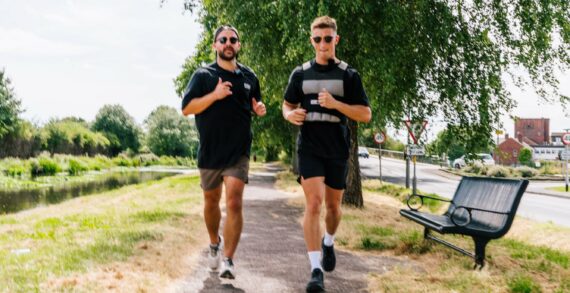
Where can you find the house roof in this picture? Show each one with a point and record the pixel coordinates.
(529, 141)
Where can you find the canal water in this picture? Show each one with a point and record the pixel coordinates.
(12, 201)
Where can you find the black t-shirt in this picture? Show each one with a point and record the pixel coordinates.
(225, 126)
(323, 138)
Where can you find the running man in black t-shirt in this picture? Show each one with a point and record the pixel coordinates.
(223, 95)
(321, 94)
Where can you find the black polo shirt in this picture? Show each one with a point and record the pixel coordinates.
(225, 126)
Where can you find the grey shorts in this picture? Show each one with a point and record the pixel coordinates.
(212, 178)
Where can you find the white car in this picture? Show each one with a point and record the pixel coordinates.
(363, 152)
(486, 159)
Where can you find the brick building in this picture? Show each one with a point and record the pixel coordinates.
(535, 130)
(508, 151)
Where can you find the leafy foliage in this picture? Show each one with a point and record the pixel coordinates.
(71, 136)
(420, 58)
(119, 127)
(525, 156)
(10, 106)
(170, 133)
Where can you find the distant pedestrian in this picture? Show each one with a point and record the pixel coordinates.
(321, 94)
(223, 96)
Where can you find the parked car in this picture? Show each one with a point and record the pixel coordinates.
(363, 152)
(485, 159)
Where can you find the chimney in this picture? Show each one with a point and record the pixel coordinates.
(520, 137)
(506, 136)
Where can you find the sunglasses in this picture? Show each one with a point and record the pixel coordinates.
(328, 39)
(232, 40)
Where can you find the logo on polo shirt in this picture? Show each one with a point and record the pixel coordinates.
(247, 86)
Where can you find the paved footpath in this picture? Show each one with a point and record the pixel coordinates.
(271, 255)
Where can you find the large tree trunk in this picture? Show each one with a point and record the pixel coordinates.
(353, 192)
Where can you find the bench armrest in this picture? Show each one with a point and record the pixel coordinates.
(421, 200)
(469, 210)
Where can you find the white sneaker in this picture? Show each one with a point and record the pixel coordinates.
(227, 270)
(215, 253)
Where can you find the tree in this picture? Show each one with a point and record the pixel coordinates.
(72, 136)
(23, 141)
(525, 156)
(119, 127)
(10, 106)
(170, 133)
(418, 58)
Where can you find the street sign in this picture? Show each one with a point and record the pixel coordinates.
(565, 155)
(379, 137)
(415, 128)
(498, 132)
(566, 138)
(415, 150)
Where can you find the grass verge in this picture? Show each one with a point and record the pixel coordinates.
(523, 261)
(559, 189)
(129, 239)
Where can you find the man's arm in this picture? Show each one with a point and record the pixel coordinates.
(198, 105)
(293, 114)
(358, 113)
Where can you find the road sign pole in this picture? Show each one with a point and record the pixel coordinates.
(566, 176)
(407, 166)
(380, 160)
(414, 190)
(566, 168)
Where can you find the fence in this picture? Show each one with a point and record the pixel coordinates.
(434, 160)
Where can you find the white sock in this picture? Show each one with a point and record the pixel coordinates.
(329, 239)
(315, 258)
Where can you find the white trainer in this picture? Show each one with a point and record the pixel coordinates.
(227, 270)
(215, 254)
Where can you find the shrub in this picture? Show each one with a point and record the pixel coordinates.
(122, 160)
(167, 161)
(498, 171)
(44, 167)
(76, 167)
(476, 168)
(16, 170)
(101, 162)
(148, 159)
(526, 172)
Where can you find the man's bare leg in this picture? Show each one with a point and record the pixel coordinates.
(234, 216)
(212, 213)
(333, 198)
(314, 189)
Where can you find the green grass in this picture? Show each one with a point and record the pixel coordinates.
(402, 194)
(536, 256)
(90, 231)
(559, 189)
(523, 284)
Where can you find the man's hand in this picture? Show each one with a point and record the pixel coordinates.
(258, 107)
(326, 100)
(296, 116)
(223, 89)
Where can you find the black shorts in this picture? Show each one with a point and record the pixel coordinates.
(334, 170)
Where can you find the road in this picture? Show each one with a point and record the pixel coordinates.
(534, 206)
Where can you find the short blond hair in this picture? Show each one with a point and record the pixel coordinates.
(324, 22)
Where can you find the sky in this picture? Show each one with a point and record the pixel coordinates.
(69, 58)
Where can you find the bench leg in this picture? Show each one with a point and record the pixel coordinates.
(480, 244)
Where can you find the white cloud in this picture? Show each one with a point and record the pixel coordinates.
(20, 42)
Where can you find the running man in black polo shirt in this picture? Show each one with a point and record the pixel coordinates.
(223, 95)
(321, 94)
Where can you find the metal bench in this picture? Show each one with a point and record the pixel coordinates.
(483, 208)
